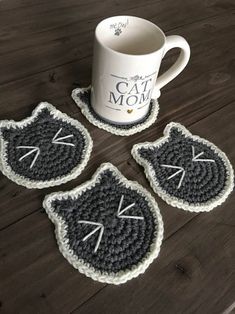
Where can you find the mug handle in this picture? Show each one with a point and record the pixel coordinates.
(173, 41)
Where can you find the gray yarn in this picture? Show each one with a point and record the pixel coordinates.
(54, 160)
(125, 242)
(85, 97)
(203, 181)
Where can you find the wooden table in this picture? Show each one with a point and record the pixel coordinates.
(45, 51)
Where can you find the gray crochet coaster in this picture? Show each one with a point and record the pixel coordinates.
(46, 149)
(108, 228)
(81, 96)
(185, 170)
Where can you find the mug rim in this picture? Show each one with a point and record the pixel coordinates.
(129, 54)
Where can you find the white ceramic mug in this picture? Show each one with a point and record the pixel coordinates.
(127, 56)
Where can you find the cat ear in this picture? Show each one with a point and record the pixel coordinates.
(42, 114)
(108, 177)
(176, 130)
(10, 128)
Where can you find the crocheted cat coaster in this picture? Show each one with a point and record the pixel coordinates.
(185, 170)
(82, 98)
(108, 228)
(49, 148)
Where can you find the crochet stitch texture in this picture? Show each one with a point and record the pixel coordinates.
(108, 228)
(46, 149)
(185, 170)
(81, 96)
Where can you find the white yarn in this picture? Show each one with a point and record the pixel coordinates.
(108, 127)
(172, 200)
(61, 229)
(8, 171)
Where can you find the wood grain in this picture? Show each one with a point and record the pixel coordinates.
(59, 47)
(46, 51)
(193, 261)
(45, 272)
(204, 92)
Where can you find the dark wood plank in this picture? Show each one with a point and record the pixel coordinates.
(61, 46)
(13, 207)
(202, 96)
(195, 270)
(207, 70)
(23, 4)
(33, 260)
(194, 273)
(32, 269)
(40, 60)
(61, 18)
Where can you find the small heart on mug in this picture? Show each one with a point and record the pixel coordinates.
(129, 110)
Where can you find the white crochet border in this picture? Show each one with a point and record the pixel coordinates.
(61, 229)
(21, 180)
(108, 127)
(172, 200)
